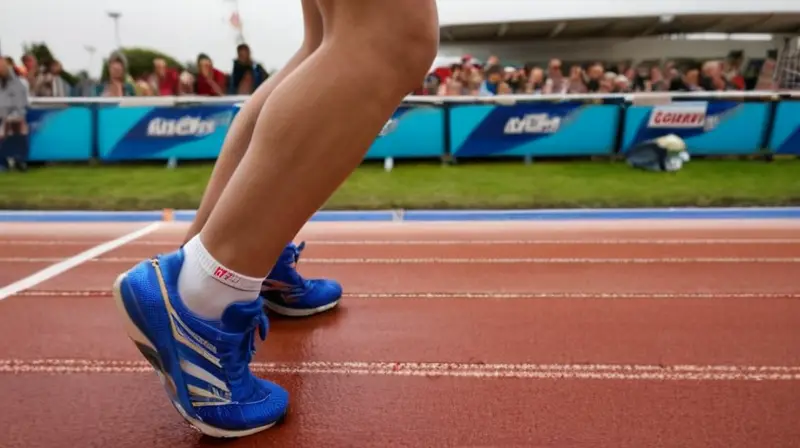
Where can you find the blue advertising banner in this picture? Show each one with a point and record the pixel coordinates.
(138, 133)
(708, 127)
(536, 129)
(60, 135)
(160, 133)
(786, 128)
(411, 132)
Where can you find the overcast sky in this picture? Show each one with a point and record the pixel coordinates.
(273, 28)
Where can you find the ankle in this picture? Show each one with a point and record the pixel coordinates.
(207, 287)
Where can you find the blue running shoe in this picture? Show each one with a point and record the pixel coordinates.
(203, 365)
(287, 293)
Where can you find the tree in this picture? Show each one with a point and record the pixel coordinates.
(42, 53)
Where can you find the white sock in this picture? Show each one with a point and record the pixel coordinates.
(207, 287)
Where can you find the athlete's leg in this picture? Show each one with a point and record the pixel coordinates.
(191, 312)
(238, 138)
(315, 129)
(285, 291)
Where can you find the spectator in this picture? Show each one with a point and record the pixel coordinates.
(143, 88)
(535, 81)
(31, 70)
(766, 76)
(13, 126)
(733, 74)
(504, 89)
(450, 80)
(186, 82)
(118, 83)
(657, 82)
(493, 83)
(453, 87)
(164, 80)
(711, 77)
(516, 80)
(595, 76)
(246, 75)
(606, 83)
(52, 83)
(10, 62)
(474, 78)
(210, 81)
(556, 83)
(84, 86)
(621, 84)
(576, 83)
(689, 82)
(430, 86)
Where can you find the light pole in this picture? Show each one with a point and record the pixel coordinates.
(115, 16)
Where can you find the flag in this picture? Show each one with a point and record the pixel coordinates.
(236, 21)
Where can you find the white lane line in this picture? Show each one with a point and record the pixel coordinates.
(434, 260)
(685, 372)
(63, 265)
(485, 295)
(477, 242)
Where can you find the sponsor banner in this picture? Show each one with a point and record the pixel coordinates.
(534, 129)
(412, 132)
(786, 128)
(708, 127)
(160, 133)
(63, 134)
(140, 133)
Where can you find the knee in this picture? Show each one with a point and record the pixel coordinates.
(399, 36)
(412, 44)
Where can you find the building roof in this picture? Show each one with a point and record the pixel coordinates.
(624, 27)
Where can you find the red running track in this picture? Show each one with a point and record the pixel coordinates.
(484, 334)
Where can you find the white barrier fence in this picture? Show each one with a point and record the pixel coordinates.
(643, 97)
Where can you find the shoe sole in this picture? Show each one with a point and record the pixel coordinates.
(299, 312)
(149, 351)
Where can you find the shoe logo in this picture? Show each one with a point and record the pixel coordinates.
(226, 276)
(287, 292)
(191, 339)
(216, 394)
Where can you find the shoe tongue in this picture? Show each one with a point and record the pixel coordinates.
(291, 253)
(238, 317)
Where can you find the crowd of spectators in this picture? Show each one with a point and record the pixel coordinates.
(203, 79)
(470, 77)
(467, 77)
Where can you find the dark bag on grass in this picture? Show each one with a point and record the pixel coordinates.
(662, 154)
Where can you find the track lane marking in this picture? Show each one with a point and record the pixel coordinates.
(681, 372)
(64, 264)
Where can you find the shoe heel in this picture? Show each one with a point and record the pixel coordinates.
(145, 346)
(133, 330)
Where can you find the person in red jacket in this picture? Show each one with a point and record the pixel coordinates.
(210, 81)
(164, 80)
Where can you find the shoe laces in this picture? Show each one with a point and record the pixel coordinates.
(236, 359)
(303, 283)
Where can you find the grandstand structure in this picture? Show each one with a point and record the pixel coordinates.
(634, 33)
